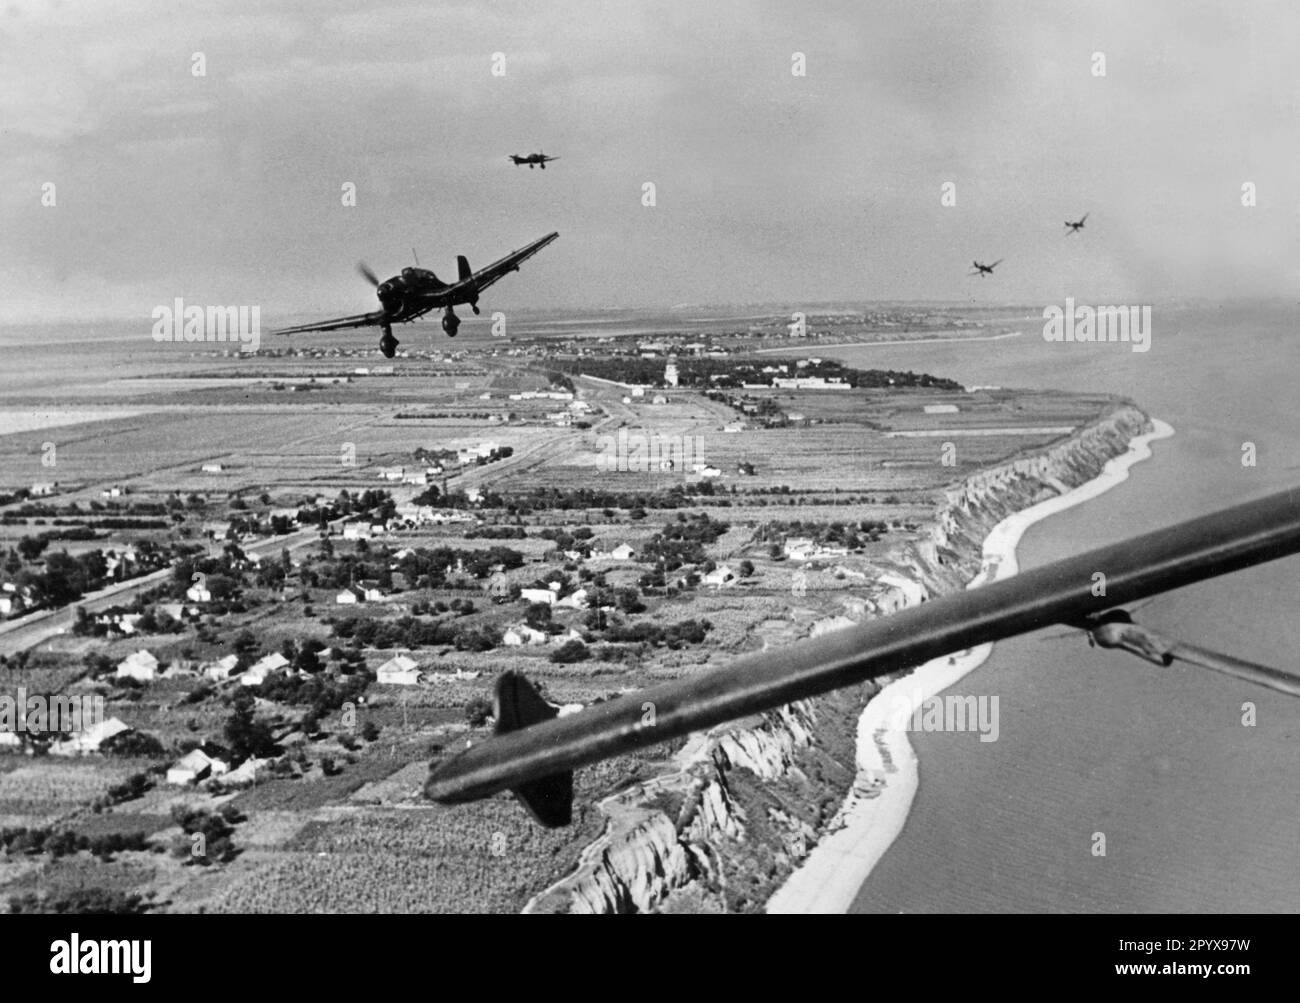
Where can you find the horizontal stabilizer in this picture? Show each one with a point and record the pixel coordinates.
(548, 799)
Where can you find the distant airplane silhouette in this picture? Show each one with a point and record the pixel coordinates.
(986, 269)
(1074, 227)
(532, 159)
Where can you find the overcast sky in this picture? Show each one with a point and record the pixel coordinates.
(225, 188)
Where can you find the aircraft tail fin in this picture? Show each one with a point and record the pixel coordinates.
(518, 704)
(462, 263)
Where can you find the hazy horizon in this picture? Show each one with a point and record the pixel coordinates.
(770, 188)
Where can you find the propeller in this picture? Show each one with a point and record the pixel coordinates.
(364, 271)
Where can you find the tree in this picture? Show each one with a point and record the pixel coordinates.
(746, 568)
(370, 731)
(247, 736)
(477, 711)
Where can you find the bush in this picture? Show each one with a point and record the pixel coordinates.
(570, 651)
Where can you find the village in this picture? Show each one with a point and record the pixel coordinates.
(280, 642)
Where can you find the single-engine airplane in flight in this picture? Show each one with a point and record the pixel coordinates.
(416, 291)
(535, 750)
(1074, 227)
(986, 269)
(532, 160)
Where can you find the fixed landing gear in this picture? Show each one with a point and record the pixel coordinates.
(388, 344)
(451, 323)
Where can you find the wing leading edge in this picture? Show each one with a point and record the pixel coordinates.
(485, 277)
(1061, 592)
(372, 319)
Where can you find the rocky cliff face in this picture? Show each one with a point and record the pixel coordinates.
(747, 804)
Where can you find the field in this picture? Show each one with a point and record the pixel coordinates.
(342, 825)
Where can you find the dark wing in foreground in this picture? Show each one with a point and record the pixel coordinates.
(1061, 592)
(484, 277)
(372, 319)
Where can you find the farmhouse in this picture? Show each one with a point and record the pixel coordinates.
(91, 739)
(263, 667)
(720, 577)
(139, 665)
(220, 669)
(575, 600)
(246, 773)
(622, 552)
(399, 671)
(194, 766)
(537, 595)
(522, 634)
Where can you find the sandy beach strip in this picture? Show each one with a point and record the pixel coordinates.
(876, 809)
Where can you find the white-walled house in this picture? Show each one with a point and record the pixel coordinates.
(522, 634)
(195, 765)
(263, 667)
(720, 577)
(399, 671)
(139, 665)
(220, 669)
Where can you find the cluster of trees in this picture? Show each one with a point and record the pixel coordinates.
(682, 541)
(322, 695)
(674, 635)
(497, 533)
(427, 568)
(543, 499)
(65, 578)
(412, 632)
(246, 735)
(80, 901)
(62, 842)
(702, 371)
(853, 535)
(375, 503)
(215, 830)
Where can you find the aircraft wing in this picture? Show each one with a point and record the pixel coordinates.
(484, 277)
(372, 319)
(1263, 675)
(1061, 592)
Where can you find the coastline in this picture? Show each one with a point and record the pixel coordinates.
(892, 344)
(876, 809)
